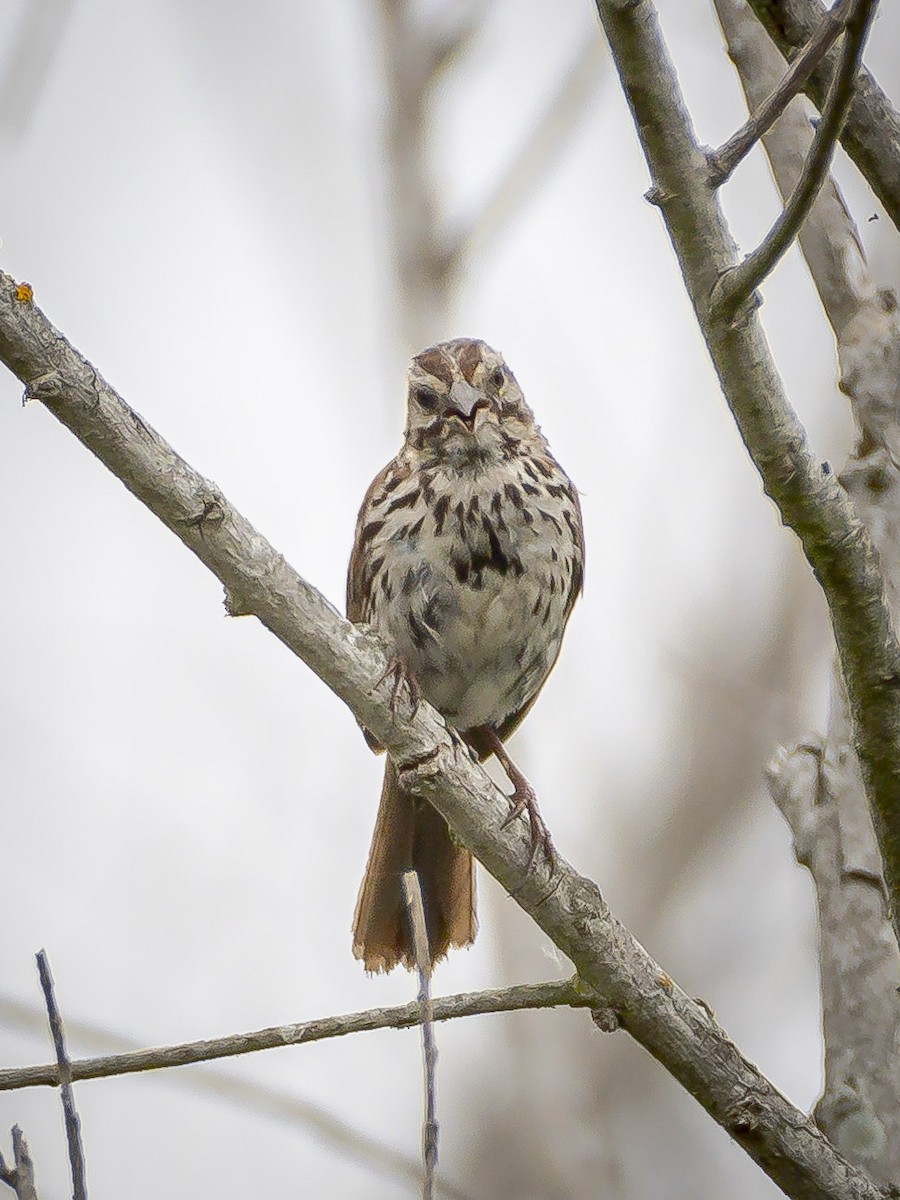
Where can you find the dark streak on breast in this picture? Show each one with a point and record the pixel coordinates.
(440, 513)
(572, 524)
(369, 530)
(460, 511)
(407, 500)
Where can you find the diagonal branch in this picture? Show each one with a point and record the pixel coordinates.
(631, 989)
(724, 160)
(739, 283)
(871, 134)
(809, 498)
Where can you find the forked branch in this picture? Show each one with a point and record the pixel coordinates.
(724, 160)
(871, 134)
(739, 283)
(809, 498)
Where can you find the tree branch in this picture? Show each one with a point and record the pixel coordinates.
(871, 133)
(568, 992)
(19, 1177)
(817, 784)
(764, 116)
(739, 283)
(809, 498)
(252, 1097)
(434, 763)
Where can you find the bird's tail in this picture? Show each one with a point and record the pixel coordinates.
(411, 835)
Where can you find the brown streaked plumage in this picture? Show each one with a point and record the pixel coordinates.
(468, 558)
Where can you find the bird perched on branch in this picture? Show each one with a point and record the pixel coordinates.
(468, 559)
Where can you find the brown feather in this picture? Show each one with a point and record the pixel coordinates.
(411, 835)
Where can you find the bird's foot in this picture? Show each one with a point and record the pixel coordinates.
(403, 678)
(524, 800)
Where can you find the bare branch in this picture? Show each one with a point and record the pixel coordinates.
(19, 1177)
(415, 911)
(817, 785)
(817, 788)
(251, 1097)
(811, 501)
(724, 160)
(525, 996)
(739, 283)
(64, 1072)
(871, 134)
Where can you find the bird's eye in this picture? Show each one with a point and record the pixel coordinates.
(497, 378)
(426, 398)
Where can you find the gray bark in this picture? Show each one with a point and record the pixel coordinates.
(818, 786)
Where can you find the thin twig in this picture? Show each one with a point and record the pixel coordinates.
(64, 1071)
(739, 283)
(252, 1097)
(724, 160)
(415, 912)
(19, 1177)
(871, 134)
(569, 992)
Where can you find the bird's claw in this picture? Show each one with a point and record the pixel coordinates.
(524, 800)
(399, 672)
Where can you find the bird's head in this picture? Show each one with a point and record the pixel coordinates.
(464, 403)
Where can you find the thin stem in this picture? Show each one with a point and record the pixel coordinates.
(738, 284)
(64, 1071)
(415, 911)
(724, 160)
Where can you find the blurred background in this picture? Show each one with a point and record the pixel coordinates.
(248, 217)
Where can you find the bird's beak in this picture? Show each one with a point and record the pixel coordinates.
(464, 399)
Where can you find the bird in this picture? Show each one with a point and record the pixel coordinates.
(468, 558)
